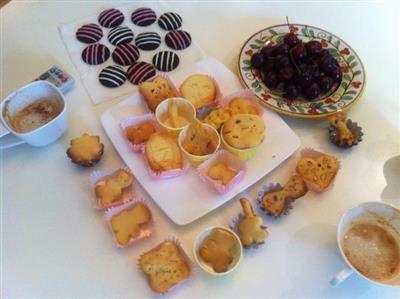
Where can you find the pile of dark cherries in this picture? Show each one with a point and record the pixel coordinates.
(297, 69)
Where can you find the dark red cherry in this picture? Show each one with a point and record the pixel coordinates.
(299, 52)
(325, 84)
(282, 49)
(291, 39)
(312, 91)
(336, 74)
(268, 51)
(314, 48)
(271, 80)
(257, 60)
(286, 73)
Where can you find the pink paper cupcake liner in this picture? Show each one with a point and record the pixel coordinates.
(273, 187)
(311, 153)
(133, 121)
(232, 162)
(97, 176)
(145, 229)
(244, 93)
(189, 262)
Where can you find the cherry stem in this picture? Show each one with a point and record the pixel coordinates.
(287, 22)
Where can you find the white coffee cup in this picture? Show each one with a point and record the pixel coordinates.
(23, 97)
(371, 212)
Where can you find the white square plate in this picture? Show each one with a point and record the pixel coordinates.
(186, 198)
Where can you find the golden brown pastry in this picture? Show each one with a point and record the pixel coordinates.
(112, 187)
(156, 91)
(199, 89)
(140, 133)
(241, 105)
(344, 135)
(199, 141)
(222, 173)
(217, 117)
(162, 153)
(85, 150)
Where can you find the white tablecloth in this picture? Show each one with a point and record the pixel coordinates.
(53, 244)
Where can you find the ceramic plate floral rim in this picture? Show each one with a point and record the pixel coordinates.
(345, 95)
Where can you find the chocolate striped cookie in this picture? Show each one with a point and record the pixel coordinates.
(120, 35)
(125, 54)
(165, 61)
(139, 72)
(111, 18)
(90, 33)
(148, 41)
(95, 54)
(170, 21)
(143, 17)
(112, 76)
(178, 39)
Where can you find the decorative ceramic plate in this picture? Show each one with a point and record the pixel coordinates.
(341, 98)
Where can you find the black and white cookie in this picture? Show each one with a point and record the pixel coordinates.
(170, 21)
(148, 41)
(125, 54)
(89, 34)
(166, 61)
(111, 18)
(178, 39)
(112, 76)
(120, 35)
(95, 54)
(140, 71)
(143, 17)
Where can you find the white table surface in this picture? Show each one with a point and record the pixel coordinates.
(53, 244)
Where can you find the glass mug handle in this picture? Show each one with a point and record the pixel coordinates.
(7, 139)
(341, 276)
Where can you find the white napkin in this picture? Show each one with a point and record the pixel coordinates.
(89, 73)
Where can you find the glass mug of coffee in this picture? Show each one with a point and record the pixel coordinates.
(35, 114)
(369, 240)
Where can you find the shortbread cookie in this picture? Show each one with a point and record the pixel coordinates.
(199, 89)
(141, 132)
(165, 266)
(222, 173)
(244, 131)
(85, 150)
(163, 153)
(242, 106)
(126, 225)
(112, 187)
(156, 91)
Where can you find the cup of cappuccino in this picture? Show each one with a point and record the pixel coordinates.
(369, 240)
(35, 114)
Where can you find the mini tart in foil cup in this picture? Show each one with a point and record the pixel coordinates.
(355, 129)
(195, 160)
(145, 229)
(273, 187)
(135, 121)
(237, 251)
(245, 94)
(231, 161)
(313, 154)
(185, 258)
(98, 175)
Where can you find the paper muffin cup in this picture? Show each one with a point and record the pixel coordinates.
(195, 160)
(242, 154)
(162, 108)
(237, 251)
(98, 175)
(145, 229)
(231, 161)
(311, 153)
(134, 121)
(171, 84)
(247, 94)
(185, 257)
(273, 187)
(234, 226)
(355, 129)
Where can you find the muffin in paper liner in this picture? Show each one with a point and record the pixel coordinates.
(231, 161)
(185, 257)
(355, 129)
(273, 187)
(98, 175)
(170, 83)
(194, 159)
(246, 94)
(313, 154)
(145, 229)
(134, 121)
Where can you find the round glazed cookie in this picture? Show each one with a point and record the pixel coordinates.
(125, 54)
(170, 21)
(148, 41)
(90, 33)
(139, 72)
(178, 39)
(112, 76)
(120, 35)
(143, 17)
(166, 61)
(95, 54)
(111, 18)
(244, 131)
